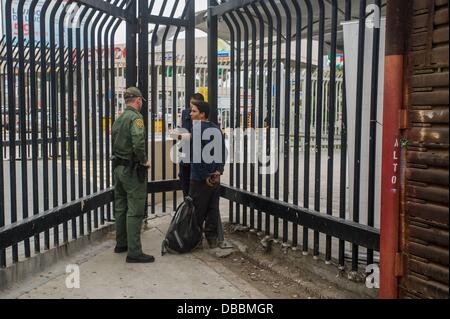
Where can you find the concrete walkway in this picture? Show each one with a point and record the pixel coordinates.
(104, 274)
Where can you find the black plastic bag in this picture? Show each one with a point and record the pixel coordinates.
(183, 234)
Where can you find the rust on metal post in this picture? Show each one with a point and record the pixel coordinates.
(399, 265)
(403, 119)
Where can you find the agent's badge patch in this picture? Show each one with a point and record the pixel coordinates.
(139, 123)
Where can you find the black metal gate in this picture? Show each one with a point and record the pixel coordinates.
(272, 71)
(58, 102)
(64, 92)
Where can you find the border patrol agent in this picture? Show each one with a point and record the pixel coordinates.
(130, 177)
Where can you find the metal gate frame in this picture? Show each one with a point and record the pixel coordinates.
(242, 18)
(102, 195)
(58, 61)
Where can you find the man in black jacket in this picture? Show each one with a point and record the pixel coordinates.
(206, 169)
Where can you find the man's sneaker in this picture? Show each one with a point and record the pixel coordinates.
(119, 250)
(143, 258)
(212, 243)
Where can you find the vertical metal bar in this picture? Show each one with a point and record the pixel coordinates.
(190, 51)
(175, 92)
(71, 118)
(87, 112)
(269, 102)
(307, 118)
(113, 75)
(113, 89)
(319, 119)
(131, 30)
(23, 120)
(153, 108)
(54, 119)
(3, 97)
(298, 60)
(44, 113)
(238, 110)
(107, 95)
(100, 111)
(212, 62)
(155, 95)
(260, 104)
(175, 95)
(144, 10)
(331, 122)
(108, 101)
(3, 104)
(163, 111)
(174, 104)
(245, 114)
(343, 165)
(113, 71)
(11, 121)
(373, 130)
(287, 113)
(94, 112)
(232, 108)
(79, 112)
(100, 74)
(277, 107)
(2, 185)
(253, 113)
(106, 119)
(28, 101)
(165, 74)
(358, 118)
(62, 105)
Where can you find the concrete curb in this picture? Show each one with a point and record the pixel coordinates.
(316, 270)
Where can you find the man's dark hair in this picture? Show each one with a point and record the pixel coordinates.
(198, 97)
(203, 107)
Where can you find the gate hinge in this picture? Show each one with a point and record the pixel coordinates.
(403, 119)
(399, 262)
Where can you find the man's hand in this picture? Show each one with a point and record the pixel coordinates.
(147, 164)
(185, 136)
(213, 180)
(180, 134)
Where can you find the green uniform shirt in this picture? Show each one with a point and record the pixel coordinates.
(128, 136)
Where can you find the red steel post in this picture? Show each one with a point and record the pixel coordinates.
(396, 36)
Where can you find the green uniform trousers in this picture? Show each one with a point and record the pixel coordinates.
(129, 208)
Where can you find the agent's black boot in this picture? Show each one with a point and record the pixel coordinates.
(119, 250)
(143, 258)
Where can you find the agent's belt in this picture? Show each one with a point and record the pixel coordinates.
(123, 162)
